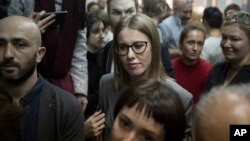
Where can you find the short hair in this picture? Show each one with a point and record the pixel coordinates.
(144, 24)
(91, 4)
(109, 1)
(213, 17)
(240, 19)
(153, 7)
(160, 102)
(232, 6)
(93, 18)
(190, 27)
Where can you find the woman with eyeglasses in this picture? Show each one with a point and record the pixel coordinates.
(235, 45)
(136, 52)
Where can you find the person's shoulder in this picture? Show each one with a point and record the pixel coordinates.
(61, 95)
(107, 80)
(183, 93)
(107, 77)
(167, 21)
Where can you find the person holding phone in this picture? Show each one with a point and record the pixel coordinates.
(65, 63)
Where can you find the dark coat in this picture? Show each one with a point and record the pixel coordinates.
(218, 74)
(60, 116)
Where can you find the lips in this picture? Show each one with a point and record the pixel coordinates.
(133, 65)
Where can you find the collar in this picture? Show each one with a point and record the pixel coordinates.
(28, 98)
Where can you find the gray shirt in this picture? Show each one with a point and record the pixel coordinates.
(171, 29)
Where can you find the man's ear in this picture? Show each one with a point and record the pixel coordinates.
(40, 53)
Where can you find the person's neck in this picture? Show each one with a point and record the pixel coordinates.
(17, 91)
(214, 32)
(236, 65)
(188, 62)
(134, 79)
(92, 49)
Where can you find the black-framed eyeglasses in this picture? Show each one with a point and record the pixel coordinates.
(242, 18)
(138, 48)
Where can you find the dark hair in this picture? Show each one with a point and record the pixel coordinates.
(93, 18)
(161, 103)
(153, 7)
(10, 115)
(213, 17)
(232, 6)
(91, 4)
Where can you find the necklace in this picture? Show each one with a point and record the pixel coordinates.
(230, 75)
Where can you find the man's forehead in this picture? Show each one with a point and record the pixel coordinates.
(122, 5)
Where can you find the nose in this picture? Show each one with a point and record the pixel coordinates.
(102, 34)
(225, 43)
(9, 52)
(131, 53)
(131, 136)
(195, 47)
(188, 15)
(124, 14)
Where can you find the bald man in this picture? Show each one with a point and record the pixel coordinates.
(172, 26)
(50, 112)
(222, 106)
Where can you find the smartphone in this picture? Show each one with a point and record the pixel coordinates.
(60, 16)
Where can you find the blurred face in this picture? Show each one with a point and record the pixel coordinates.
(133, 125)
(192, 46)
(234, 43)
(94, 8)
(120, 9)
(136, 65)
(19, 52)
(184, 10)
(96, 36)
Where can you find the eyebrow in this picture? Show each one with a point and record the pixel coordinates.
(120, 10)
(131, 8)
(155, 135)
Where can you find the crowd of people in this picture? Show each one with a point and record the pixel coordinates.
(117, 70)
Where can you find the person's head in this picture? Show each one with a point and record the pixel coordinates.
(95, 31)
(149, 110)
(231, 9)
(102, 3)
(93, 7)
(118, 9)
(212, 17)
(20, 49)
(221, 107)
(136, 50)
(183, 9)
(191, 42)
(155, 8)
(236, 36)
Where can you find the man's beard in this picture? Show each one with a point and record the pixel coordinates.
(22, 74)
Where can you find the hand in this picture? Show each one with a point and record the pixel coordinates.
(43, 23)
(83, 100)
(94, 125)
